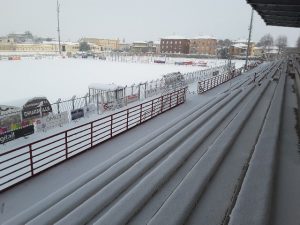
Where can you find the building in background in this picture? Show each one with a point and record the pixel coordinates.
(7, 44)
(203, 45)
(239, 48)
(142, 47)
(156, 44)
(124, 47)
(104, 44)
(258, 52)
(175, 45)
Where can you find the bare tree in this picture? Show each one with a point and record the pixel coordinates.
(281, 43)
(266, 41)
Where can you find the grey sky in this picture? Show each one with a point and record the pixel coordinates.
(136, 19)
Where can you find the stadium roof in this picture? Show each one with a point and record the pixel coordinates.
(284, 13)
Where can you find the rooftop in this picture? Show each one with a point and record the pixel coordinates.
(176, 37)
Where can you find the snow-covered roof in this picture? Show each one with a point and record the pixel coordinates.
(204, 37)
(241, 41)
(64, 43)
(104, 87)
(240, 45)
(140, 42)
(175, 37)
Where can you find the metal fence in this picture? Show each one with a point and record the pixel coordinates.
(215, 81)
(21, 163)
(142, 92)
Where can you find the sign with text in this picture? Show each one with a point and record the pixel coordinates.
(77, 113)
(6, 137)
(52, 121)
(12, 135)
(36, 107)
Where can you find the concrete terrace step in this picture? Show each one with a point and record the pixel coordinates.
(168, 177)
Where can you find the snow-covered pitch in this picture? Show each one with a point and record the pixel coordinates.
(64, 78)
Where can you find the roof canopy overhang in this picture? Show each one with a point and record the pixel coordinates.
(284, 13)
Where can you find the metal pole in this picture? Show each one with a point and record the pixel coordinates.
(249, 39)
(58, 28)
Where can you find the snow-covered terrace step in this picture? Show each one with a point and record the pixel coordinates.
(115, 191)
(254, 201)
(187, 140)
(168, 129)
(186, 195)
(44, 204)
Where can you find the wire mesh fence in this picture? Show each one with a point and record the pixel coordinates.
(12, 119)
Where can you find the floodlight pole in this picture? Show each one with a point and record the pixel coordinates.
(249, 39)
(58, 28)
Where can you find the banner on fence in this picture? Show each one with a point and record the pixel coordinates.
(6, 137)
(132, 98)
(77, 113)
(36, 107)
(12, 135)
(25, 131)
(52, 121)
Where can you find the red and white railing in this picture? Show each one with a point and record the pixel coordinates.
(24, 162)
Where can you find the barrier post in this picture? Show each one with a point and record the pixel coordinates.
(161, 106)
(141, 110)
(111, 124)
(31, 159)
(127, 117)
(152, 108)
(91, 134)
(66, 144)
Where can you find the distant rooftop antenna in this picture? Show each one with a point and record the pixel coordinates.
(249, 38)
(58, 28)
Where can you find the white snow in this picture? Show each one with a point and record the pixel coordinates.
(204, 37)
(175, 37)
(104, 87)
(64, 78)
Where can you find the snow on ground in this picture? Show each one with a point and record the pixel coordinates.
(30, 192)
(63, 78)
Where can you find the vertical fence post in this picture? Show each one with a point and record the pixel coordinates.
(141, 111)
(98, 106)
(91, 134)
(127, 117)
(111, 125)
(161, 104)
(170, 100)
(66, 145)
(31, 160)
(152, 108)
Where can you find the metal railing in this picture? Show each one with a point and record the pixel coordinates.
(145, 90)
(215, 81)
(24, 162)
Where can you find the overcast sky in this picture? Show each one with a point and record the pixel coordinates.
(134, 20)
